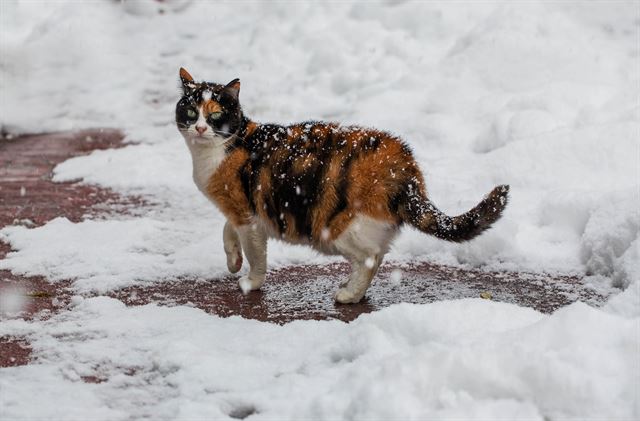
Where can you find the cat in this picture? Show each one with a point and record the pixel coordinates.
(342, 190)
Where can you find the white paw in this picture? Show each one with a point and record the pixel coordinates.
(247, 284)
(234, 261)
(344, 296)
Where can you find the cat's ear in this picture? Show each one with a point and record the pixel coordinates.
(187, 81)
(233, 88)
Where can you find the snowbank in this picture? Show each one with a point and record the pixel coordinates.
(469, 359)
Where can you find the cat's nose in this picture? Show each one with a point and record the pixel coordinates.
(201, 129)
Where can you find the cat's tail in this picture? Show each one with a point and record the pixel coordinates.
(422, 214)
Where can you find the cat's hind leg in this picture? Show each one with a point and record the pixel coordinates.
(364, 243)
(232, 248)
(362, 274)
(253, 239)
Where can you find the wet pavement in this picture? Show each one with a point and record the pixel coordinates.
(306, 292)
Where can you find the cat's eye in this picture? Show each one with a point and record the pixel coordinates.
(191, 113)
(215, 116)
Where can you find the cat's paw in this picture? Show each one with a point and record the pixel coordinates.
(234, 261)
(344, 296)
(248, 284)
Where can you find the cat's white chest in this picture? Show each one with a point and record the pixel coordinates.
(206, 160)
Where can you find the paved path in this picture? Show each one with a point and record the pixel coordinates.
(305, 292)
(29, 197)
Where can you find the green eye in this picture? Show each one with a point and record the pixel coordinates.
(215, 116)
(191, 113)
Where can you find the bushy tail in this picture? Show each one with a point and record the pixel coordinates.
(422, 214)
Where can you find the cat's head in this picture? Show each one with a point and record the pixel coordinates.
(208, 112)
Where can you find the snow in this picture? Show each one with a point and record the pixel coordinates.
(396, 276)
(245, 284)
(12, 301)
(471, 359)
(541, 96)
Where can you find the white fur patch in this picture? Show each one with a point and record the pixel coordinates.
(202, 122)
(206, 159)
(365, 238)
(207, 152)
(364, 243)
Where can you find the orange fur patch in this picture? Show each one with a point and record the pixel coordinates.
(263, 195)
(185, 75)
(327, 202)
(251, 127)
(294, 132)
(210, 107)
(302, 163)
(225, 188)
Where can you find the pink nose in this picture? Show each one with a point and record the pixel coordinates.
(201, 129)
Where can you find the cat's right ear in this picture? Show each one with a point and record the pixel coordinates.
(188, 84)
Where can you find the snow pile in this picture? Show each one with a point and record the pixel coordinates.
(470, 359)
(610, 241)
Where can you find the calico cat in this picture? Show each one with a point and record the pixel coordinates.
(340, 189)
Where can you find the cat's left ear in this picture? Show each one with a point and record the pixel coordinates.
(233, 88)
(187, 81)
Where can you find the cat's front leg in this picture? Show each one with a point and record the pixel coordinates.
(253, 239)
(232, 248)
